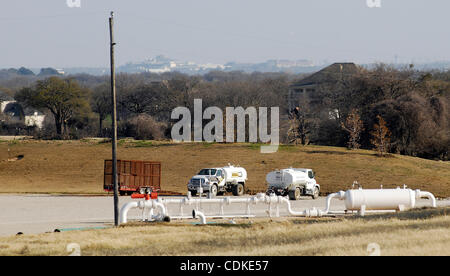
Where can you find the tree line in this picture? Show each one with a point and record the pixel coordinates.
(413, 106)
(410, 107)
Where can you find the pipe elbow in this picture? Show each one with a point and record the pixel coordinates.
(339, 195)
(200, 215)
(289, 208)
(124, 210)
(428, 195)
(162, 210)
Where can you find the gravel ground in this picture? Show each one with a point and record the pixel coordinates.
(33, 214)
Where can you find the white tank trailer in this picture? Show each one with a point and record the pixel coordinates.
(293, 182)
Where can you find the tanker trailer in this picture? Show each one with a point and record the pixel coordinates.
(293, 182)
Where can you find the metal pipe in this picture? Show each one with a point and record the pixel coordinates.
(430, 196)
(124, 210)
(200, 215)
(310, 213)
(340, 195)
(162, 211)
(289, 208)
(376, 200)
(159, 204)
(214, 216)
(152, 204)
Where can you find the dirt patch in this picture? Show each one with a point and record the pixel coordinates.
(17, 158)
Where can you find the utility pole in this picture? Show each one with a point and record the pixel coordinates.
(114, 122)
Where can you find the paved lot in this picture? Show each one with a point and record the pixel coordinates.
(33, 214)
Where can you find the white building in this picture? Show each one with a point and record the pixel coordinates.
(34, 118)
(4, 104)
(15, 112)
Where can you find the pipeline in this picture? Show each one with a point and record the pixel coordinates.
(126, 208)
(261, 198)
(361, 200)
(430, 196)
(200, 215)
(188, 201)
(338, 195)
(150, 204)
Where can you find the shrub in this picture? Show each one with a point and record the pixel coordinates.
(143, 127)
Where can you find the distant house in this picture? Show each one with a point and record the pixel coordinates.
(49, 72)
(5, 99)
(15, 112)
(332, 73)
(34, 118)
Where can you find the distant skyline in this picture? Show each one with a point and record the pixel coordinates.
(47, 33)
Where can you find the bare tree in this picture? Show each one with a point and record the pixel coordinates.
(101, 104)
(302, 120)
(381, 136)
(354, 126)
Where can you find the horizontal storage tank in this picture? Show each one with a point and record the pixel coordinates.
(286, 177)
(389, 199)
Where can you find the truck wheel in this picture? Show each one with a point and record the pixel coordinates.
(295, 194)
(316, 193)
(213, 190)
(193, 193)
(238, 190)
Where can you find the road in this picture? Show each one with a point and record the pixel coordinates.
(34, 214)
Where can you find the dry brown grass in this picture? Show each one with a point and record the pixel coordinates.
(422, 232)
(77, 166)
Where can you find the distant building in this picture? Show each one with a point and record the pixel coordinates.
(34, 118)
(308, 85)
(14, 112)
(60, 71)
(162, 64)
(5, 99)
(49, 72)
(292, 64)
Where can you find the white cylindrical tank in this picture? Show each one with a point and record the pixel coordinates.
(286, 177)
(389, 199)
(235, 174)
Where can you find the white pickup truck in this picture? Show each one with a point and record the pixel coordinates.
(217, 181)
(293, 182)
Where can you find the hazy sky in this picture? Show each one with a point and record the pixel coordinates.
(49, 33)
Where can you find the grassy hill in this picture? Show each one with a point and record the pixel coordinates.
(77, 166)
